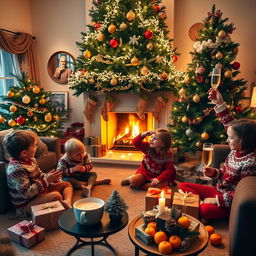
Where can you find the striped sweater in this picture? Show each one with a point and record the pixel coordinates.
(236, 167)
(25, 181)
(65, 165)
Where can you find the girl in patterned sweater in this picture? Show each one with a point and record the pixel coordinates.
(28, 185)
(157, 168)
(240, 162)
(75, 166)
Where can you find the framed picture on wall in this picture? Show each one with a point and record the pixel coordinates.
(59, 101)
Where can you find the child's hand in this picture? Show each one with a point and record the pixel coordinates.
(53, 176)
(147, 133)
(210, 200)
(215, 96)
(209, 171)
(155, 182)
(78, 168)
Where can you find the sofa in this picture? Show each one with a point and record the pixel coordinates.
(242, 220)
(46, 162)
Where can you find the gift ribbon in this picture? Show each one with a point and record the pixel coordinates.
(49, 207)
(185, 197)
(27, 228)
(157, 192)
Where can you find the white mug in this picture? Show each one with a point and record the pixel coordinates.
(88, 211)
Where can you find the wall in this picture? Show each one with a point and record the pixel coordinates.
(16, 15)
(240, 12)
(57, 26)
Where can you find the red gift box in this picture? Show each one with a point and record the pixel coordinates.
(47, 215)
(153, 195)
(26, 233)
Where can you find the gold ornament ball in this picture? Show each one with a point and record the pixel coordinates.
(112, 29)
(36, 105)
(56, 118)
(135, 61)
(113, 81)
(2, 119)
(48, 117)
(184, 119)
(205, 136)
(144, 70)
(13, 108)
(199, 144)
(87, 54)
(30, 113)
(187, 80)
(91, 80)
(123, 26)
(218, 55)
(222, 34)
(218, 65)
(164, 75)
(42, 101)
(130, 15)
(162, 15)
(150, 46)
(10, 94)
(182, 91)
(196, 98)
(35, 118)
(228, 73)
(11, 123)
(100, 37)
(26, 99)
(235, 50)
(36, 89)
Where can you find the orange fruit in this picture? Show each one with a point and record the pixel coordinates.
(215, 239)
(184, 221)
(175, 241)
(152, 224)
(210, 229)
(160, 236)
(150, 231)
(165, 247)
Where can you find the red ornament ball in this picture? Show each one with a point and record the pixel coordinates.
(20, 120)
(174, 58)
(113, 43)
(96, 26)
(236, 65)
(148, 34)
(156, 8)
(238, 109)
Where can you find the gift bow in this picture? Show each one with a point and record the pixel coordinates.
(186, 197)
(48, 206)
(26, 228)
(158, 191)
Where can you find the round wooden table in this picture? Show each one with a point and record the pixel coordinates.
(101, 230)
(151, 250)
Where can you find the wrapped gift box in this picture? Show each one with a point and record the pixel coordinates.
(97, 150)
(26, 233)
(140, 233)
(47, 215)
(153, 195)
(187, 203)
(92, 140)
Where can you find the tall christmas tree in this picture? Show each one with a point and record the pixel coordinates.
(193, 118)
(28, 106)
(126, 49)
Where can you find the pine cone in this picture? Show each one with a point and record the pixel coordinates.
(170, 225)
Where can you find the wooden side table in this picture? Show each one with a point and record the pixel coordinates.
(101, 230)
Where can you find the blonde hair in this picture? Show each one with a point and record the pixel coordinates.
(73, 145)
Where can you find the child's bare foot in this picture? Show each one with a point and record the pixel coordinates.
(126, 181)
(101, 182)
(66, 204)
(86, 191)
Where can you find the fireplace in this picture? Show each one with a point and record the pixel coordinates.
(122, 127)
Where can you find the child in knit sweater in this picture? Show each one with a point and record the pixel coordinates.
(75, 166)
(28, 185)
(157, 168)
(240, 162)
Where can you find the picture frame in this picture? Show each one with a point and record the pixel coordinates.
(59, 100)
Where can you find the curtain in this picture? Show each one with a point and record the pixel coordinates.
(23, 44)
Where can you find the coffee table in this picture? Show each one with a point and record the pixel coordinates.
(101, 230)
(151, 250)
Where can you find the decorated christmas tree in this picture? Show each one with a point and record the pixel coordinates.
(126, 49)
(193, 118)
(28, 106)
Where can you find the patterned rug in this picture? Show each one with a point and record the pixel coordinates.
(57, 243)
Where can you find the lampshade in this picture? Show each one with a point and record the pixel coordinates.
(253, 99)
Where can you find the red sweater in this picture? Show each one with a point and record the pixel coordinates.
(237, 165)
(154, 165)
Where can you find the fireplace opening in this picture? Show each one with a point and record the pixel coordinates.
(122, 128)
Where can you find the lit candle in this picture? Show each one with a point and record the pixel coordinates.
(130, 156)
(122, 156)
(110, 153)
(162, 203)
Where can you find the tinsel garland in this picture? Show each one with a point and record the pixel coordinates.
(37, 110)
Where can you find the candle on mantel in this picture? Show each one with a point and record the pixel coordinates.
(130, 156)
(110, 153)
(122, 156)
(162, 203)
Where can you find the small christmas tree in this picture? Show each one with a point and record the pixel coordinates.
(115, 205)
(28, 106)
(193, 119)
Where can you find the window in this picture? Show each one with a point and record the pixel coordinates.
(8, 65)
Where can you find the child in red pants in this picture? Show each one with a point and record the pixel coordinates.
(240, 162)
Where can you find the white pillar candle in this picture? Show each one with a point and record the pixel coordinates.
(162, 203)
(110, 153)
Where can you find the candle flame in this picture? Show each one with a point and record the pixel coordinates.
(162, 194)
